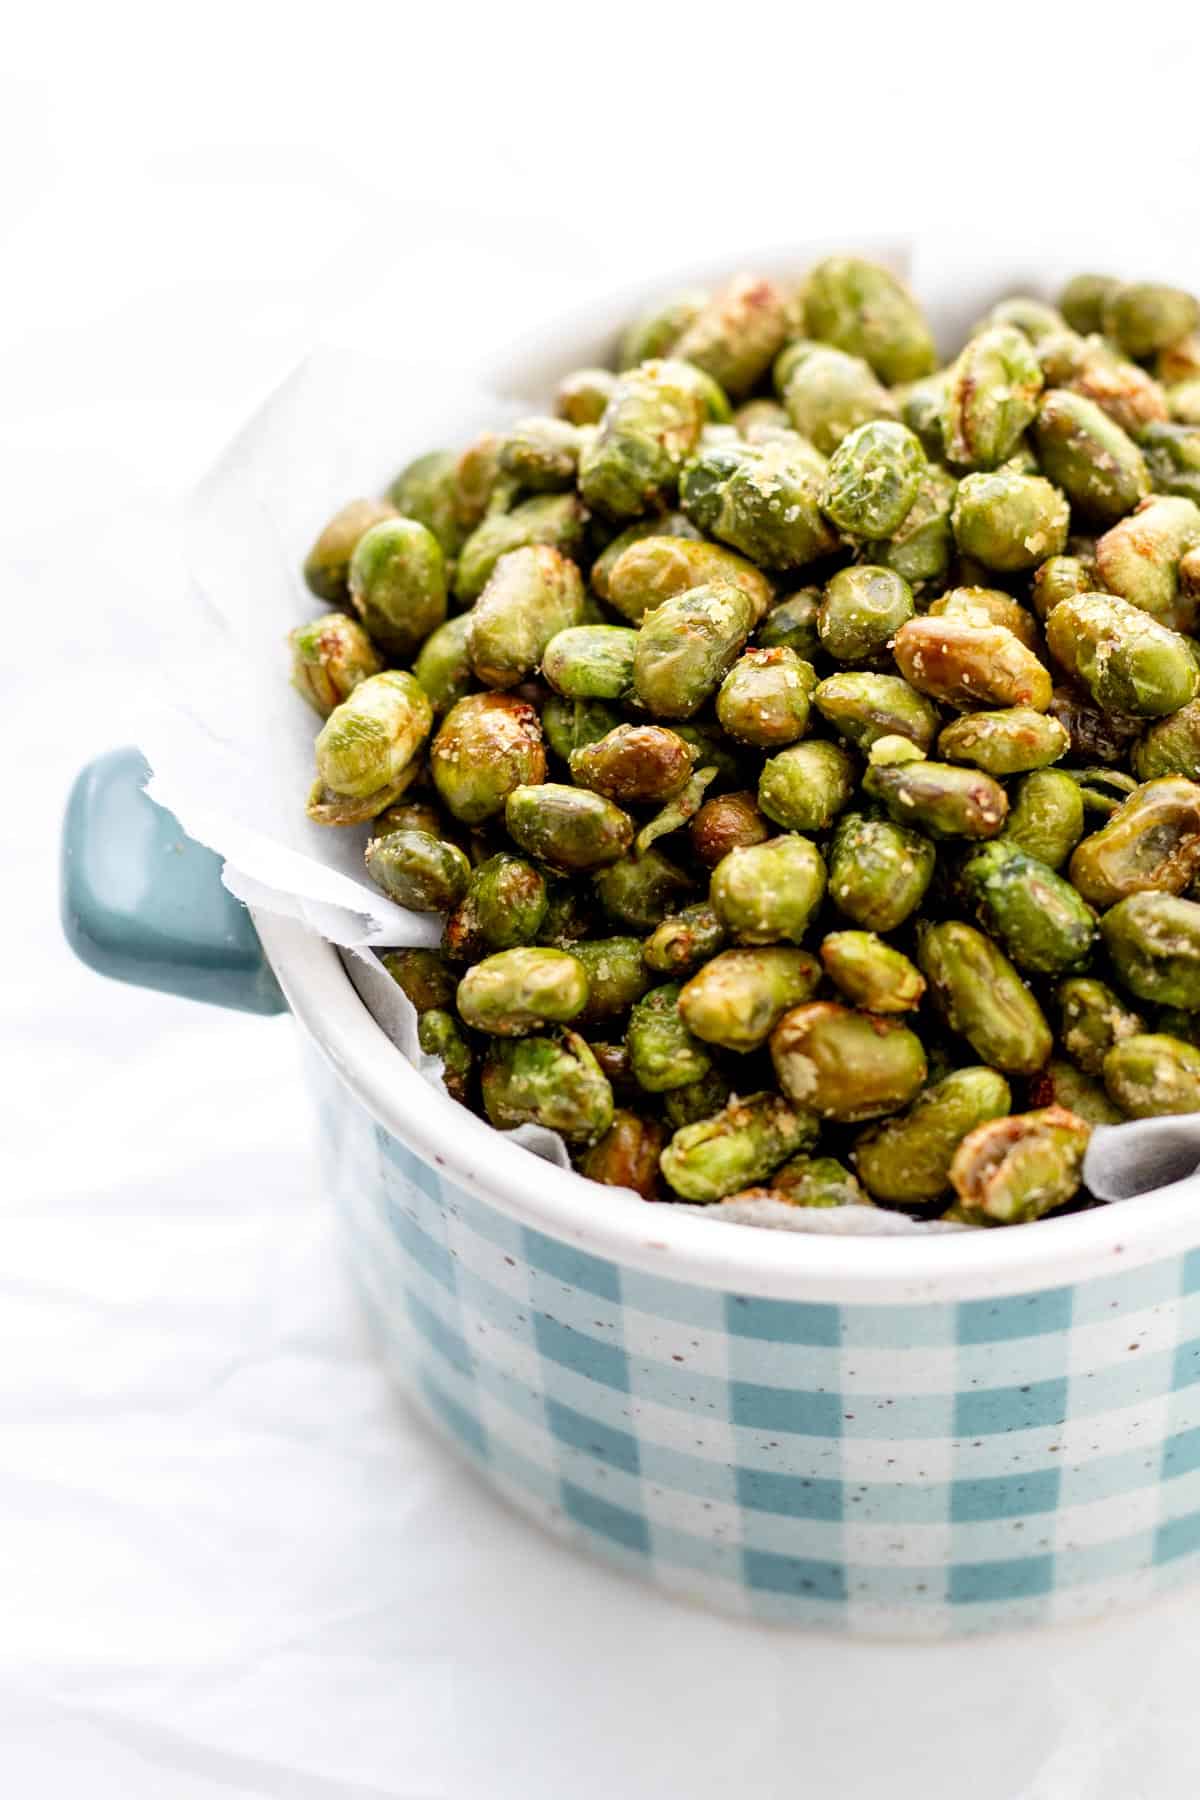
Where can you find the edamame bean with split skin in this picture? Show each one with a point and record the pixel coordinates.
(1013, 1170)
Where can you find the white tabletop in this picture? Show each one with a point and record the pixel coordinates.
(231, 1564)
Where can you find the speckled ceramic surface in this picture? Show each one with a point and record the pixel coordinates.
(925, 1469)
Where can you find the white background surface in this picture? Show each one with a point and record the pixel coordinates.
(229, 1564)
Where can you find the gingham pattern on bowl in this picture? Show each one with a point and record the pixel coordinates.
(921, 1470)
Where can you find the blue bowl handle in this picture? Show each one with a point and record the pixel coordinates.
(143, 903)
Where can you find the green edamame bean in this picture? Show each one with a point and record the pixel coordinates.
(423, 976)
(663, 1052)
(550, 1081)
(327, 565)
(1085, 453)
(670, 524)
(1062, 1084)
(505, 905)
(968, 665)
(487, 745)
(738, 998)
(846, 1065)
(572, 725)
(737, 1146)
(1026, 314)
(1058, 578)
(418, 870)
(1153, 1074)
(443, 664)
(567, 828)
(792, 624)
(330, 656)
(1170, 746)
(756, 419)
(1045, 816)
(922, 548)
(638, 891)
(867, 311)
(865, 707)
(479, 490)
(696, 1100)
(1008, 521)
(582, 396)
(1083, 299)
(808, 1181)
(878, 870)
(554, 520)
(684, 940)
(616, 976)
(861, 612)
(991, 398)
(1151, 842)
(922, 406)
(728, 822)
(766, 697)
(1016, 1169)
(1139, 557)
(651, 425)
(397, 583)
(804, 787)
(1154, 943)
(873, 479)
(939, 798)
(686, 646)
(656, 330)
(1145, 316)
(654, 569)
(590, 662)
(763, 893)
(988, 606)
(1092, 367)
(762, 499)
(1043, 923)
(531, 595)
(366, 749)
(870, 972)
(541, 455)
(1092, 1018)
(737, 333)
(1172, 453)
(439, 1034)
(906, 1161)
(627, 1155)
(633, 763)
(1127, 661)
(1009, 742)
(516, 991)
(981, 996)
(828, 394)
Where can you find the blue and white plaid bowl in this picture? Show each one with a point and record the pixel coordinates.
(915, 1436)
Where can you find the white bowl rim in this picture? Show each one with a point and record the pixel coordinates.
(670, 1241)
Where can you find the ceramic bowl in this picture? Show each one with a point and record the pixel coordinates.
(916, 1436)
